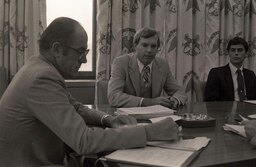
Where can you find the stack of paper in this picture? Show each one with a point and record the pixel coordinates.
(188, 144)
(253, 116)
(169, 154)
(174, 117)
(250, 101)
(238, 129)
(146, 112)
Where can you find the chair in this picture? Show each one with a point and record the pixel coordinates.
(3, 80)
(102, 92)
(199, 87)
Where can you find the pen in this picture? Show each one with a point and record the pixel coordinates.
(243, 118)
(180, 133)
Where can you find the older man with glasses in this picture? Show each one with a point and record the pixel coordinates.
(38, 115)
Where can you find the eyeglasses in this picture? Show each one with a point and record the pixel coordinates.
(82, 52)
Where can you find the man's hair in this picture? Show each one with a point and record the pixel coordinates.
(237, 41)
(60, 30)
(145, 32)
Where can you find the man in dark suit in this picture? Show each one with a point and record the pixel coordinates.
(232, 82)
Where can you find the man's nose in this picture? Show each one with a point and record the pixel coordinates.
(149, 48)
(83, 59)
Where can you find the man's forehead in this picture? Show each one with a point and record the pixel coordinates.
(149, 39)
(237, 46)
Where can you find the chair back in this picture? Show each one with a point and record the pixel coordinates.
(3, 80)
(199, 87)
(101, 92)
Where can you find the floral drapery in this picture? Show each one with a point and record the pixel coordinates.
(194, 33)
(21, 22)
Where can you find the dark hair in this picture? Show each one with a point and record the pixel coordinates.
(60, 29)
(145, 32)
(237, 41)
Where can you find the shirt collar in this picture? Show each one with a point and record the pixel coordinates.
(141, 66)
(234, 69)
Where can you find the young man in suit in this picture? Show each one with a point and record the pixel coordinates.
(38, 115)
(139, 78)
(232, 82)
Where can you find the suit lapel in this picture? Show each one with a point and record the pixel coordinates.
(134, 74)
(229, 81)
(157, 76)
(246, 81)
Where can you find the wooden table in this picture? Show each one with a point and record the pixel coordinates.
(225, 148)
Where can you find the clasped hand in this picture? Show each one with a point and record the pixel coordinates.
(167, 102)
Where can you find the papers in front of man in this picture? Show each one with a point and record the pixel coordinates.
(161, 153)
(250, 101)
(238, 129)
(146, 112)
(194, 144)
(253, 116)
(174, 117)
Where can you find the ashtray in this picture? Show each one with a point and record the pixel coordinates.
(193, 120)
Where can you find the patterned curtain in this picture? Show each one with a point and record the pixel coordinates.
(21, 22)
(194, 33)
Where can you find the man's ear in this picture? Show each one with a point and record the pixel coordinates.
(57, 49)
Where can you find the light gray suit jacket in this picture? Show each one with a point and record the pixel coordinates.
(38, 115)
(124, 84)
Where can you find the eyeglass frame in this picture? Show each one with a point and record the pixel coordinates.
(82, 54)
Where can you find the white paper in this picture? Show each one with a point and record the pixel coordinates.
(187, 144)
(252, 116)
(238, 129)
(174, 117)
(154, 156)
(250, 101)
(146, 112)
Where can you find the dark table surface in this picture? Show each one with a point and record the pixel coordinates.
(225, 148)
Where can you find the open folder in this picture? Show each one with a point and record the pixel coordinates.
(146, 112)
(167, 154)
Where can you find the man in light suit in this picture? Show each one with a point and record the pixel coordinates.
(223, 83)
(132, 86)
(38, 115)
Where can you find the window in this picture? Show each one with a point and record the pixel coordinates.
(84, 12)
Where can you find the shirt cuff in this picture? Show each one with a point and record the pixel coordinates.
(141, 101)
(103, 117)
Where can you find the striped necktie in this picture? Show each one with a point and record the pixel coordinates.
(146, 75)
(240, 85)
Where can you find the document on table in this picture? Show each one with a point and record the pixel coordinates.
(250, 101)
(253, 116)
(238, 129)
(146, 112)
(174, 117)
(151, 156)
(173, 154)
(194, 144)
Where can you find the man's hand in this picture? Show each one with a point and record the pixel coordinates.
(166, 129)
(119, 120)
(164, 101)
(250, 130)
(174, 102)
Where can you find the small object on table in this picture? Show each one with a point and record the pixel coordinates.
(192, 120)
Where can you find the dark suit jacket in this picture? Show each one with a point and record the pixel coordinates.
(220, 87)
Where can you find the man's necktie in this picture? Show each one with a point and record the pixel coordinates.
(240, 84)
(146, 75)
